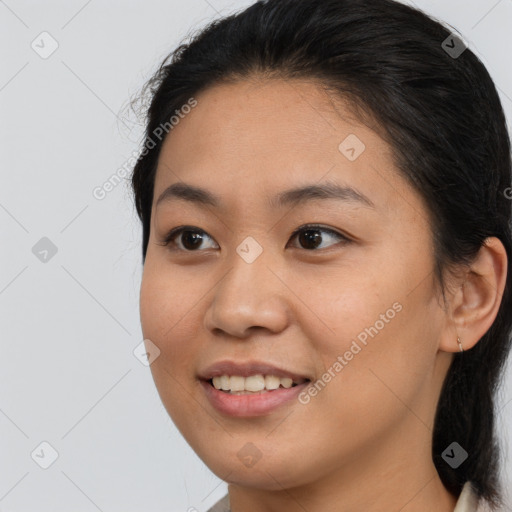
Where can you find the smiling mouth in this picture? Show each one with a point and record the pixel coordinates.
(253, 385)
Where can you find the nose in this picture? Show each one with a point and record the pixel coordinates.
(250, 296)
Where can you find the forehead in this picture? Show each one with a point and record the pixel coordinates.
(256, 137)
(264, 118)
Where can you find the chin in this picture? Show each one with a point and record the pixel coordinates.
(265, 473)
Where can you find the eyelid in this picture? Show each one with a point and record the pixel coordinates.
(177, 231)
(320, 227)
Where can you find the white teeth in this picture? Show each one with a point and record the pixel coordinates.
(254, 383)
(224, 382)
(286, 383)
(236, 383)
(272, 382)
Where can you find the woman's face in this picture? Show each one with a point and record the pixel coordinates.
(349, 305)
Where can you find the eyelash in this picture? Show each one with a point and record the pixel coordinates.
(175, 232)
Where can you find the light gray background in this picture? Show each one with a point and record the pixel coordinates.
(69, 326)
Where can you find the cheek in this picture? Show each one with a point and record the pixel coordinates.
(167, 302)
(373, 343)
(168, 319)
(345, 309)
(164, 320)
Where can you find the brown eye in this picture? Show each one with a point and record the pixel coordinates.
(310, 237)
(190, 238)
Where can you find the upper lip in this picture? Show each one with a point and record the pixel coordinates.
(248, 368)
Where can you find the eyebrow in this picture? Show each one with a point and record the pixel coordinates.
(328, 190)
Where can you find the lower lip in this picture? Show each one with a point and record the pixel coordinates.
(256, 404)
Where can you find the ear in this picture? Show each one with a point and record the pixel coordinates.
(475, 303)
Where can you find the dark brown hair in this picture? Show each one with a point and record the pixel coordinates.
(442, 116)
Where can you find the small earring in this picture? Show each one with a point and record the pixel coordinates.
(460, 344)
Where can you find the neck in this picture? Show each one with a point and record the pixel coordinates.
(398, 492)
(394, 472)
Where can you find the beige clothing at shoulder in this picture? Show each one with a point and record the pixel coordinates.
(221, 506)
(467, 502)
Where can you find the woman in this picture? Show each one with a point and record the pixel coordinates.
(324, 191)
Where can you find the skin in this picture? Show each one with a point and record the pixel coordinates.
(363, 443)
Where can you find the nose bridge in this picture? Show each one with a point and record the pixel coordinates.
(249, 295)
